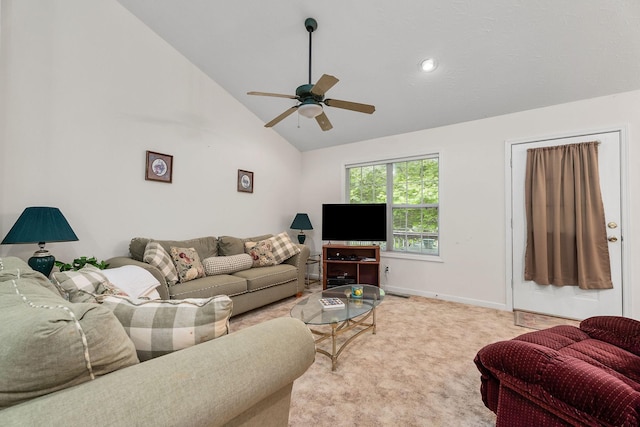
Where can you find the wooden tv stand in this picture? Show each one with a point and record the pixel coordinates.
(345, 263)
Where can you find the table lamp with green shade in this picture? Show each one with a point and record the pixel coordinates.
(39, 225)
(301, 222)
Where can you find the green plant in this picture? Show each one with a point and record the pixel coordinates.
(78, 263)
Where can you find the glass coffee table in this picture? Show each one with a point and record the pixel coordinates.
(354, 316)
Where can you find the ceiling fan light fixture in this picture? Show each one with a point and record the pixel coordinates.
(428, 65)
(310, 110)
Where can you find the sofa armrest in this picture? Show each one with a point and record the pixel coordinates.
(120, 261)
(231, 378)
(299, 260)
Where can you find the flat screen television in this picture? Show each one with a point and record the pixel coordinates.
(364, 222)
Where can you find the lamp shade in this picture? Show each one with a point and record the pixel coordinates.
(40, 225)
(301, 222)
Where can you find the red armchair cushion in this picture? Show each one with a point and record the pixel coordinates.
(567, 372)
(619, 331)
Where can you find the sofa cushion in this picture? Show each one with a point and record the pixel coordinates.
(229, 245)
(49, 343)
(205, 246)
(226, 264)
(156, 255)
(188, 264)
(261, 253)
(283, 247)
(161, 327)
(209, 286)
(619, 331)
(263, 277)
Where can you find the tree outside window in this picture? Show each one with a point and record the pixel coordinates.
(413, 207)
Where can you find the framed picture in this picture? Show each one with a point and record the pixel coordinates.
(159, 167)
(245, 181)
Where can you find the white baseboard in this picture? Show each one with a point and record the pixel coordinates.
(444, 297)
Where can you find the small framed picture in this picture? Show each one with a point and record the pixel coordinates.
(159, 167)
(245, 181)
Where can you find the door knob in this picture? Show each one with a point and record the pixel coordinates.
(613, 239)
(612, 225)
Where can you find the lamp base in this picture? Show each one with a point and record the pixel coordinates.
(42, 261)
(301, 238)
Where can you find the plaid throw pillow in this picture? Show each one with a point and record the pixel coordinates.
(157, 256)
(226, 264)
(282, 247)
(162, 326)
(87, 279)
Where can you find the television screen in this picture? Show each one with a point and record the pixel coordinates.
(357, 222)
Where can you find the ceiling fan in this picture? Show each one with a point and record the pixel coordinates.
(311, 96)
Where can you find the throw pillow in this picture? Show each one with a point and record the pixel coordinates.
(49, 344)
(88, 278)
(261, 253)
(157, 256)
(84, 284)
(187, 264)
(283, 247)
(227, 264)
(163, 326)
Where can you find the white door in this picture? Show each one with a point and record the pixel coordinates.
(569, 301)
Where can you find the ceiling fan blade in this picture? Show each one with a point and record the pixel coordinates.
(323, 84)
(278, 95)
(281, 117)
(324, 122)
(353, 106)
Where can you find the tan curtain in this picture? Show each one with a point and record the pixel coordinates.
(566, 235)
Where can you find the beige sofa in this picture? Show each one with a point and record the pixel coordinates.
(241, 379)
(249, 288)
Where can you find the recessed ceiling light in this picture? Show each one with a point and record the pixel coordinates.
(428, 65)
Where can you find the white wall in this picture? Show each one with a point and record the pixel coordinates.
(472, 204)
(86, 90)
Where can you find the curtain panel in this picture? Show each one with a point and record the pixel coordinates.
(566, 234)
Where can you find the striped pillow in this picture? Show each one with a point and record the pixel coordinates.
(157, 256)
(158, 327)
(282, 247)
(226, 264)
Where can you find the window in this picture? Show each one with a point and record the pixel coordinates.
(411, 190)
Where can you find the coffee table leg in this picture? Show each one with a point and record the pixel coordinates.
(334, 355)
(374, 321)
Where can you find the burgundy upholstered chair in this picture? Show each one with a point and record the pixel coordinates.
(565, 376)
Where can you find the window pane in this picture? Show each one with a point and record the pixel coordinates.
(431, 179)
(367, 184)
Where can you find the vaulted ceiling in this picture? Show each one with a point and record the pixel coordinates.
(494, 57)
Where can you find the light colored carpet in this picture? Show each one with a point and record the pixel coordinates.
(417, 370)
